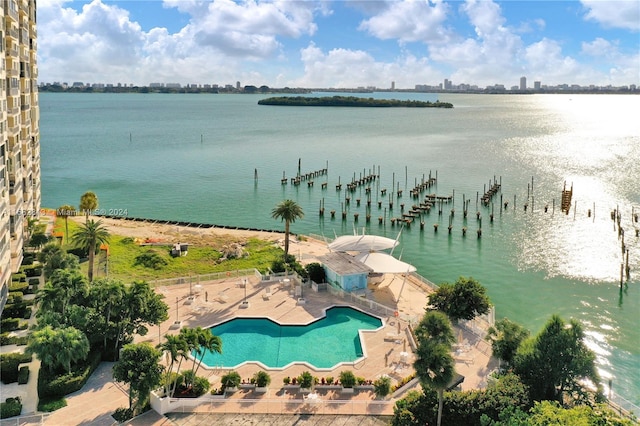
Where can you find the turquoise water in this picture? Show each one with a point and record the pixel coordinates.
(323, 343)
(193, 157)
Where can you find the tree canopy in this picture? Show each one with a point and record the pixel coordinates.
(554, 361)
(463, 300)
(350, 101)
(505, 337)
(138, 367)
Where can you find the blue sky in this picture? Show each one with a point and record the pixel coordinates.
(339, 43)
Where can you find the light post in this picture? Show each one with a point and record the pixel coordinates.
(177, 316)
(244, 282)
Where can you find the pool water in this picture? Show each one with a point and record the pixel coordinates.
(324, 343)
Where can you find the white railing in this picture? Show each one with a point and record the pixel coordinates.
(624, 408)
(197, 279)
(214, 404)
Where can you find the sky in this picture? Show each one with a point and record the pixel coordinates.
(339, 44)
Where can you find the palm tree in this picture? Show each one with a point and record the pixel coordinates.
(88, 202)
(174, 347)
(206, 342)
(288, 211)
(91, 235)
(65, 211)
(58, 347)
(434, 364)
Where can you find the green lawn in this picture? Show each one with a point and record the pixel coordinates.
(199, 260)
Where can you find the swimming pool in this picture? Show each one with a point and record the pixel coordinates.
(323, 343)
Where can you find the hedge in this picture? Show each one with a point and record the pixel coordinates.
(6, 339)
(23, 375)
(19, 277)
(9, 366)
(51, 385)
(10, 408)
(20, 286)
(48, 405)
(10, 324)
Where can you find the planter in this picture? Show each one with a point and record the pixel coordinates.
(231, 389)
(244, 305)
(261, 389)
(347, 390)
(305, 390)
(247, 386)
(291, 387)
(361, 388)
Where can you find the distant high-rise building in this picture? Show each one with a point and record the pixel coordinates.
(523, 83)
(393, 85)
(237, 85)
(537, 85)
(19, 129)
(447, 84)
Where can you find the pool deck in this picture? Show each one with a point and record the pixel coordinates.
(387, 350)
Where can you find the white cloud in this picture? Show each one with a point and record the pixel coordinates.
(409, 21)
(614, 13)
(356, 68)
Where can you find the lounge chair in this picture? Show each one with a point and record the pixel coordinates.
(267, 293)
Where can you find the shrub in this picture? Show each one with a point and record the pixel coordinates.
(6, 339)
(306, 380)
(18, 286)
(286, 380)
(361, 381)
(230, 380)
(48, 405)
(382, 386)
(23, 375)
(347, 379)
(127, 240)
(27, 313)
(28, 259)
(150, 259)
(9, 366)
(122, 415)
(53, 386)
(262, 378)
(19, 277)
(200, 386)
(14, 309)
(10, 324)
(10, 408)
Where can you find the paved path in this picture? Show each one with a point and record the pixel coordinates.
(94, 403)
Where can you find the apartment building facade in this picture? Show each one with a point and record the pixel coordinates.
(19, 134)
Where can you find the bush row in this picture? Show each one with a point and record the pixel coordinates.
(52, 385)
(9, 366)
(12, 324)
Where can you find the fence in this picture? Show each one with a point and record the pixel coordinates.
(213, 404)
(624, 408)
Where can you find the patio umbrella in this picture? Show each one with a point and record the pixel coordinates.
(385, 263)
(362, 243)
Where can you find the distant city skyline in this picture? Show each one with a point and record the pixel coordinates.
(340, 43)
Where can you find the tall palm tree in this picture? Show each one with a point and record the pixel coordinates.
(174, 347)
(88, 202)
(434, 364)
(206, 342)
(91, 235)
(288, 211)
(434, 367)
(64, 212)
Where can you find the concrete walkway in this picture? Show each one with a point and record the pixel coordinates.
(94, 403)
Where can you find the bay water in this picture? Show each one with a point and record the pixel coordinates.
(220, 159)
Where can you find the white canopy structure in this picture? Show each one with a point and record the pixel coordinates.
(362, 243)
(385, 263)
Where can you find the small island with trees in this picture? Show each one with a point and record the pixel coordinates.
(350, 101)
